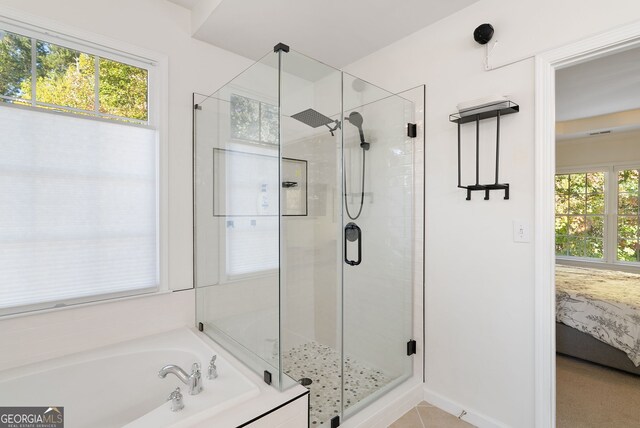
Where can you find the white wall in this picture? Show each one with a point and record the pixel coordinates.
(55, 333)
(163, 27)
(608, 149)
(479, 284)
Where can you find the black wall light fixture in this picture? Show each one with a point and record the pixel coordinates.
(483, 33)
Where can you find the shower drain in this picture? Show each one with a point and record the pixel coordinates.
(305, 381)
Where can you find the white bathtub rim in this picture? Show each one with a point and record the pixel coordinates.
(159, 416)
(181, 341)
(137, 345)
(260, 399)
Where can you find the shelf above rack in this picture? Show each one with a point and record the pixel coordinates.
(484, 112)
(477, 114)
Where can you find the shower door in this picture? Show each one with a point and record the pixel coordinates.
(346, 253)
(377, 269)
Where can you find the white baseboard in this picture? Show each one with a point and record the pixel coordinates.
(388, 408)
(450, 406)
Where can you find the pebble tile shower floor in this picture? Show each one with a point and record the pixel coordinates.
(321, 364)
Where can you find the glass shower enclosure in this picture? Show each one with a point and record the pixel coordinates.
(304, 224)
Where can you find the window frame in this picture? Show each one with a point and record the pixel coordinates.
(610, 241)
(607, 178)
(616, 215)
(156, 64)
(261, 102)
(81, 46)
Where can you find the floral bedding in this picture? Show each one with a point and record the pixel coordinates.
(602, 303)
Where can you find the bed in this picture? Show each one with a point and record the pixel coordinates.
(598, 316)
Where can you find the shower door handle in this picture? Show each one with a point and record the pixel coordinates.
(352, 233)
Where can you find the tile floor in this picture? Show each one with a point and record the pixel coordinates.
(321, 364)
(424, 415)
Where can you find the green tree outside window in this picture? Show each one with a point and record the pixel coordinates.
(66, 79)
(580, 219)
(628, 248)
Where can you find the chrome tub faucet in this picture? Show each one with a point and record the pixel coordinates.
(193, 380)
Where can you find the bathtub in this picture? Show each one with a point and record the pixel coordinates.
(118, 386)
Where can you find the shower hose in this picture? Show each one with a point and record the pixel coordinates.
(346, 203)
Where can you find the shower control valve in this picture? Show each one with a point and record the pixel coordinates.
(213, 370)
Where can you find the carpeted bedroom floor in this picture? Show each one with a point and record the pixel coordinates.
(589, 395)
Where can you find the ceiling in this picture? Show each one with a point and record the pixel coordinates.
(599, 87)
(185, 3)
(336, 32)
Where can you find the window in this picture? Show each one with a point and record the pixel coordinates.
(253, 120)
(78, 173)
(628, 248)
(250, 241)
(50, 76)
(246, 197)
(252, 246)
(580, 218)
(586, 228)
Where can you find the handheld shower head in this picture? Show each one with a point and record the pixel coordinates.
(356, 120)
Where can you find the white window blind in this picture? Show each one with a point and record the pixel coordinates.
(252, 245)
(78, 209)
(246, 196)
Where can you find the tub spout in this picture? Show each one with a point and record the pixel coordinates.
(193, 380)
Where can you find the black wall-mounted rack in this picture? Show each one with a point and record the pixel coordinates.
(477, 114)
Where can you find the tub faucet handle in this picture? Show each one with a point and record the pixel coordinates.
(176, 400)
(213, 370)
(195, 380)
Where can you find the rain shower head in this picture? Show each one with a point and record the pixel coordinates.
(312, 118)
(315, 119)
(356, 120)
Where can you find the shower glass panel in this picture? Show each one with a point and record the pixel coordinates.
(379, 201)
(236, 216)
(310, 332)
(304, 229)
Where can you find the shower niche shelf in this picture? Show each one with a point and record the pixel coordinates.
(477, 114)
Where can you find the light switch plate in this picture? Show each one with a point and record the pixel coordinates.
(521, 231)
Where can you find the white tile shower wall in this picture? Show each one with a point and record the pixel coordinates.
(479, 302)
(298, 303)
(361, 303)
(37, 337)
(310, 307)
(327, 227)
(310, 291)
(378, 293)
